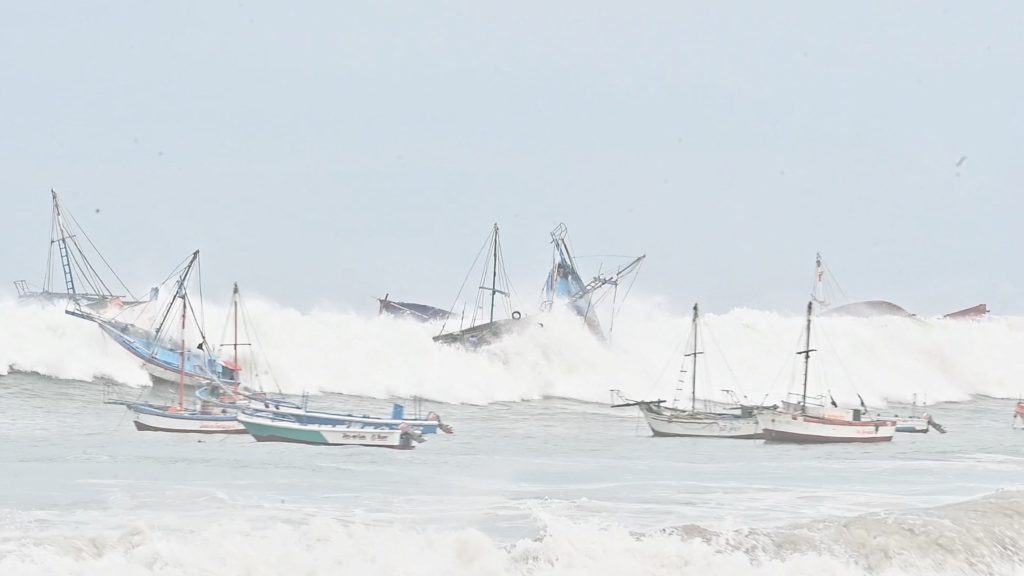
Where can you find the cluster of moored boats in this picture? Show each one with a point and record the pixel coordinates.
(214, 398)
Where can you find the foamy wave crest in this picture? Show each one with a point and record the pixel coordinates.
(883, 359)
(975, 538)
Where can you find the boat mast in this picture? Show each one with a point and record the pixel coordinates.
(181, 371)
(62, 246)
(694, 354)
(235, 302)
(494, 273)
(807, 358)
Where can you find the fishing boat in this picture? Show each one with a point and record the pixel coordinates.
(565, 284)
(805, 423)
(268, 427)
(431, 423)
(84, 285)
(484, 326)
(671, 421)
(915, 423)
(1018, 414)
(160, 357)
(207, 418)
(412, 310)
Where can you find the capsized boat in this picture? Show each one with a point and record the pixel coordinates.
(271, 427)
(161, 357)
(419, 312)
(565, 284)
(737, 422)
(805, 423)
(823, 295)
(484, 326)
(84, 285)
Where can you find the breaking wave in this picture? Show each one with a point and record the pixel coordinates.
(751, 351)
(980, 537)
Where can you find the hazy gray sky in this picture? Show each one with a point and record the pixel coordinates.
(334, 151)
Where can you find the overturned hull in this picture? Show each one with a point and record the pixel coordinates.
(421, 312)
(868, 309)
(971, 313)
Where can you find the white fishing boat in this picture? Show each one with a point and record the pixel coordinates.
(737, 422)
(268, 427)
(915, 423)
(817, 424)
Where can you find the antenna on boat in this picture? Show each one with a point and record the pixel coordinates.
(694, 354)
(819, 281)
(807, 357)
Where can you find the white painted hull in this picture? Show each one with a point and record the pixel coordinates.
(685, 424)
(804, 429)
(155, 423)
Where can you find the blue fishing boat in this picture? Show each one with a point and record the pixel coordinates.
(565, 284)
(163, 359)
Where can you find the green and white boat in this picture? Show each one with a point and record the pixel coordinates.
(267, 426)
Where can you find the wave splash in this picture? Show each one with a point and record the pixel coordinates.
(977, 538)
(884, 359)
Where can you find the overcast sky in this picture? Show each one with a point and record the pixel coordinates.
(329, 152)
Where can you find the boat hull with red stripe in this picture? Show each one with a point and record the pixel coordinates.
(806, 429)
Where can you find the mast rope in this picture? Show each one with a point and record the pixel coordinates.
(451, 310)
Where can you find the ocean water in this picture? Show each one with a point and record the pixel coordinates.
(541, 476)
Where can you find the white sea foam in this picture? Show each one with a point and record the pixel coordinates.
(884, 359)
(977, 538)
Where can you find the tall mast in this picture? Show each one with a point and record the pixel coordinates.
(694, 354)
(181, 372)
(234, 299)
(807, 358)
(819, 280)
(494, 273)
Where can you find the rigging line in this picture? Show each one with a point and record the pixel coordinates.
(88, 273)
(98, 253)
(824, 336)
(48, 278)
(635, 276)
(714, 342)
(202, 301)
(451, 310)
(262, 350)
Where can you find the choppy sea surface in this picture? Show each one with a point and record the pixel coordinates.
(541, 476)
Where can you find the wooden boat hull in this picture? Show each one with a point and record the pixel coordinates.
(269, 429)
(672, 423)
(803, 429)
(153, 419)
